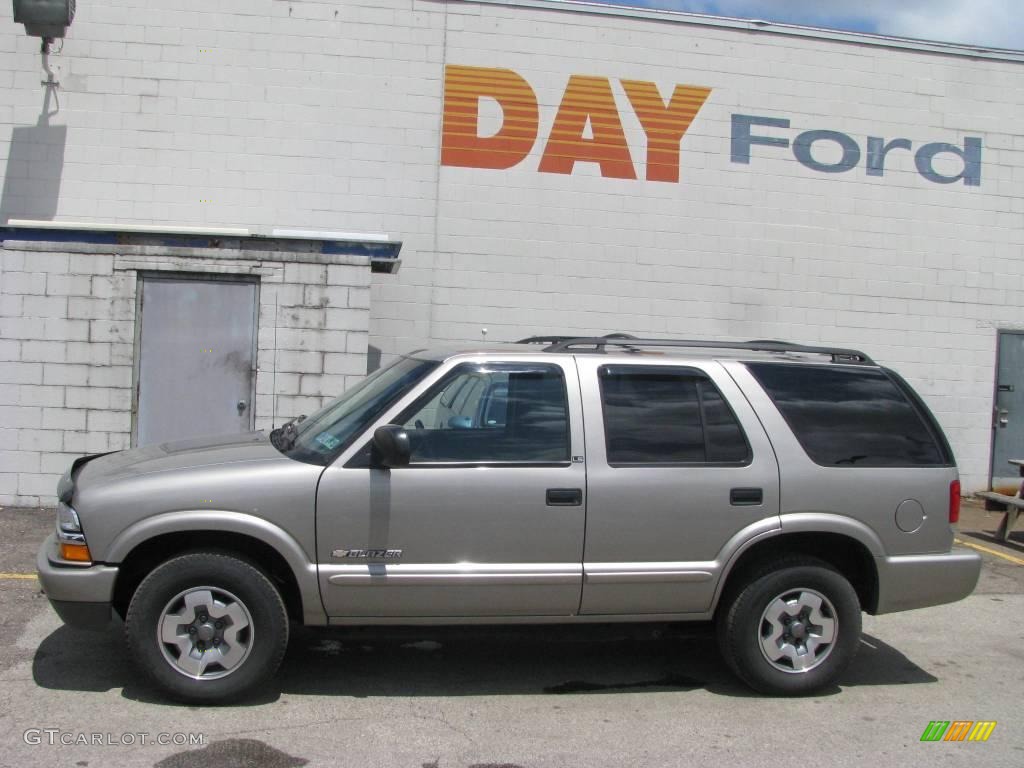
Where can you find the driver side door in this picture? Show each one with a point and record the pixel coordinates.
(487, 519)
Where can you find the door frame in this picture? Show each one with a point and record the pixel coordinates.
(142, 276)
(1001, 333)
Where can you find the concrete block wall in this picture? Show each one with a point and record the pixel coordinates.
(322, 327)
(312, 114)
(918, 274)
(67, 344)
(326, 115)
(66, 331)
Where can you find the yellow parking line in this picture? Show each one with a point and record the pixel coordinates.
(18, 576)
(995, 552)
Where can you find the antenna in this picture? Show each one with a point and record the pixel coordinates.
(273, 383)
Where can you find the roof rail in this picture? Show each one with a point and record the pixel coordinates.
(837, 354)
(557, 339)
(544, 339)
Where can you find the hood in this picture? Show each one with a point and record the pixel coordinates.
(225, 473)
(193, 453)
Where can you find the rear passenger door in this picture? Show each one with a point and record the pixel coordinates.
(678, 465)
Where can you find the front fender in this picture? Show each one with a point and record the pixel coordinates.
(302, 565)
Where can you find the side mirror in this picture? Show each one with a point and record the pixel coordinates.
(391, 446)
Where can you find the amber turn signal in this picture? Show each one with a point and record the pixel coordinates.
(78, 553)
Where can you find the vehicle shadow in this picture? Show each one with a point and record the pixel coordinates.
(465, 661)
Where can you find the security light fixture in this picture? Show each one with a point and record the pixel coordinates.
(45, 18)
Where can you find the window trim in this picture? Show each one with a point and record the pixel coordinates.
(362, 458)
(680, 370)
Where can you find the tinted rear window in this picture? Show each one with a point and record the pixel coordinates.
(852, 418)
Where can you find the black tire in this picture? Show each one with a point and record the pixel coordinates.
(259, 597)
(741, 627)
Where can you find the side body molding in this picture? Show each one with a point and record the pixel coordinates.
(231, 522)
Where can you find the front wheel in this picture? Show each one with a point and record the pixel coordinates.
(791, 629)
(207, 627)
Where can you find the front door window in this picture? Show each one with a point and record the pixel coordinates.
(493, 413)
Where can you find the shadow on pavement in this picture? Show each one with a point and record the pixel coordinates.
(233, 753)
(878, 663)
(464, 661)
(1016, 541)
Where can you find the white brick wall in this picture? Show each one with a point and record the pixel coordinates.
(67, 325)
(326, 115)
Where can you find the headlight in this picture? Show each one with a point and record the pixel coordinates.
(70, 538)
(67, 519)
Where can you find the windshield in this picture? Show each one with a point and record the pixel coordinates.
(320, 437)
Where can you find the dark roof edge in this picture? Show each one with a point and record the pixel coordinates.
(377, 249)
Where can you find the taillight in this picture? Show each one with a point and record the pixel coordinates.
(954, 502)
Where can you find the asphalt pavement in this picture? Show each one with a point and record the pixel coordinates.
(522, 696)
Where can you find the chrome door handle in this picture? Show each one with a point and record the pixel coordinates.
(242, 405)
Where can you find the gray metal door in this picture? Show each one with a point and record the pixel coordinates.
(1008, 414)
(196, 357)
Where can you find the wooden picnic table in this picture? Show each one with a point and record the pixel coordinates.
(1011, 506)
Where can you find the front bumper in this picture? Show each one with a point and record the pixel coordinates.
(81, 595)
(918, 581)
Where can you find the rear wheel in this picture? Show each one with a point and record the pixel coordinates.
(792, 628)
(207, 627)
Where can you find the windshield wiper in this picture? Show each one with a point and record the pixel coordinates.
(283, 438)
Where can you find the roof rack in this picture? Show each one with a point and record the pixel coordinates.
(544, 339)
(837, 354)
(558, 339)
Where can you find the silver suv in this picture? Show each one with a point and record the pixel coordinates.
(775, 489)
